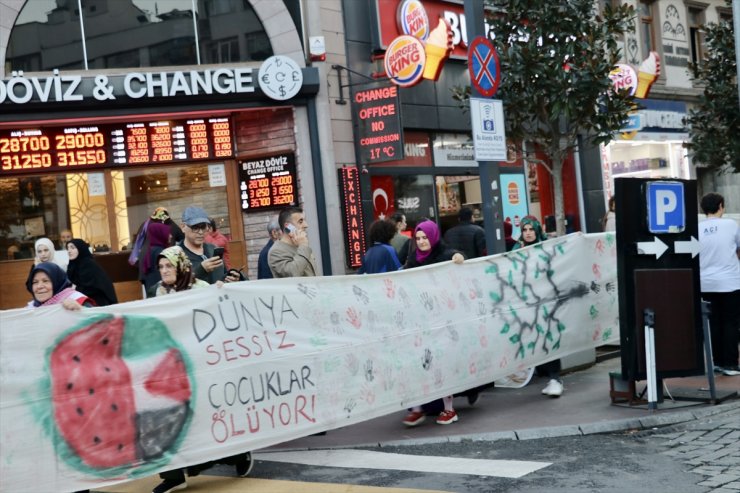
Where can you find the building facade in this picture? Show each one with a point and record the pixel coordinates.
(112, 110)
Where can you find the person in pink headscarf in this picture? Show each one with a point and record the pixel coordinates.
(430, 249)
(159, 237)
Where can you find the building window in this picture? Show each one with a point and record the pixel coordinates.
(725, 14)
(135, 33)
(647, 28)
(696, 31)
(224, 51)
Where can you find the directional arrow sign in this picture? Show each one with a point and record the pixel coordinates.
(692, 246)
(655, 247)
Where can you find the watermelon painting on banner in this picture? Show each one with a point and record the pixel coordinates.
(108, 394)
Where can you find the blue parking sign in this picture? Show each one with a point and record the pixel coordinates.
(666, 211)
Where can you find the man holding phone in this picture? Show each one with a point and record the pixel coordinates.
(208, 266)
(291, 256)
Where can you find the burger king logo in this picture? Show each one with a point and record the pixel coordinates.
(404, 61)
(412, 19)
(513, 190)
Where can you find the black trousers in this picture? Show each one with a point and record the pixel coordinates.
(551, 369)
(724, 323)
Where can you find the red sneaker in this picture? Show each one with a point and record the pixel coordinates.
(414, 418)
(447, 417)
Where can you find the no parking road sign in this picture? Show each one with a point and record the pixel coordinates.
(666, 210)
(483, 65)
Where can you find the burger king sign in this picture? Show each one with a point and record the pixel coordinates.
(404, 60)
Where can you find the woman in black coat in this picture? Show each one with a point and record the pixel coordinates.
(88, 277)
(430, 249)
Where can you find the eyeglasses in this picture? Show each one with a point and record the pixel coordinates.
(199, 228)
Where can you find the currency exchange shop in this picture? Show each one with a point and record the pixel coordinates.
(96, 151)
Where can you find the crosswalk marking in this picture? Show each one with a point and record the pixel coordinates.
(215, 484)
(365, 459)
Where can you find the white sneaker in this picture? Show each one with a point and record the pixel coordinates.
(554, 388)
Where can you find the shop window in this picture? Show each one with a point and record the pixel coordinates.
(104, 208)
(698, 37)
(647, 27)
(134, 33)
(30, 211)
(175, 188)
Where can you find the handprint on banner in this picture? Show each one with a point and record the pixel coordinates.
(390, 288)
(369, 371)
(361, 294)
(354, 317)
(426, 360)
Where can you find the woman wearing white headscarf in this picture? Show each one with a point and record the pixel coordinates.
(45, 252)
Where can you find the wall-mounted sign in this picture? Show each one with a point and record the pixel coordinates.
(116, 144)
(404, 61)
(224, 82)
(378, 117)
(391, 22)
(280, 78)
(624, 77)
(412, 19)
(647, 74)
(437, 48)
(268, 182)
(354, 230)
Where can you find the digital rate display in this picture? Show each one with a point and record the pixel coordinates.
(268, 182)
(115, 144)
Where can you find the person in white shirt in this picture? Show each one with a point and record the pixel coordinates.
(720, 281)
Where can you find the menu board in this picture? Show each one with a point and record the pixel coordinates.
(117, 144)
(268, 182)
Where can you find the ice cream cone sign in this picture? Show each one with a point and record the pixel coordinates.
(438, 47)
(647, 74)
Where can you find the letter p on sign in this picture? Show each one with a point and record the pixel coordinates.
(666, 211)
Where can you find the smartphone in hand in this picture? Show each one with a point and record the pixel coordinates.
(291, 228)
(219, 252)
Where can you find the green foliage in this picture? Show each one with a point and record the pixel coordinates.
(715, 122)
(555, 60)
(555, 63)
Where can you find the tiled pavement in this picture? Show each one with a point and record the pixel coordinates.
(709, 446)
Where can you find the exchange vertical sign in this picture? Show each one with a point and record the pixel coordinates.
(378, 117)
(354, 229)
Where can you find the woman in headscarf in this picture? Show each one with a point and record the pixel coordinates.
(49, 285)
(176, 272)
(531, 234)
(430, 249)
(44, 249)
(141, 243)
(158, 236)
(87, 276)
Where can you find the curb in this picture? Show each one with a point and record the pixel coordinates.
(639, 424)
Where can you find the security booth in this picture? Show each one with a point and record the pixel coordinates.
(658, 277)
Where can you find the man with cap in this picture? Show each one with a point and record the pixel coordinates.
(263, 267)
(207, 266)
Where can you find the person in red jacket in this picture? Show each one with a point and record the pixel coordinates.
(216, 237)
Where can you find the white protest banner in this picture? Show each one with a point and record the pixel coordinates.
(113, 393)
